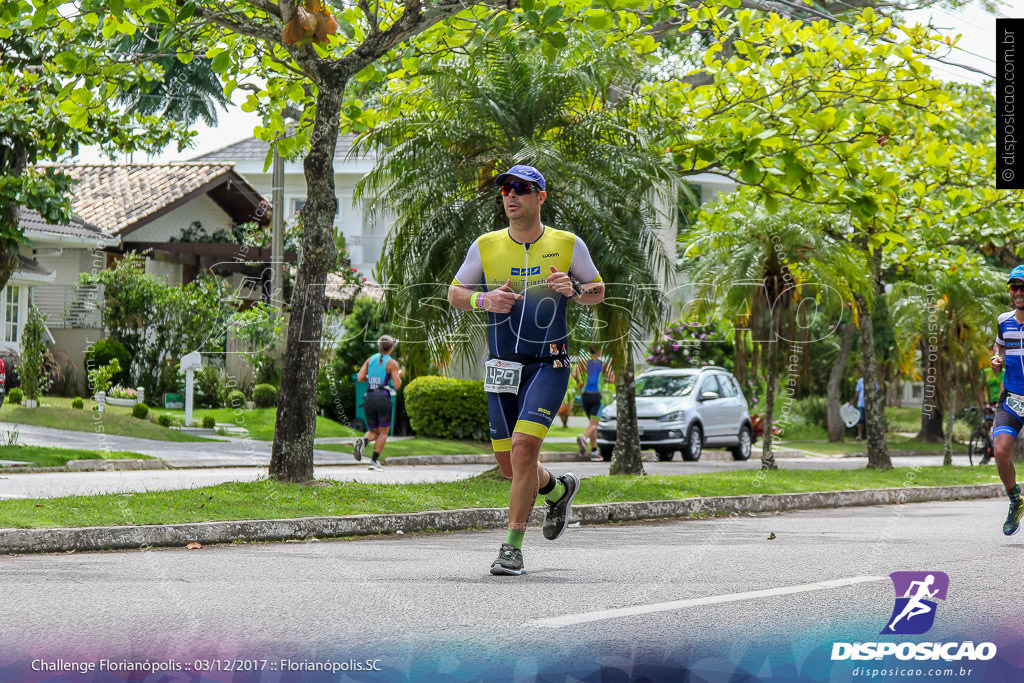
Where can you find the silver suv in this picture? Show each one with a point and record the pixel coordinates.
(685, 410)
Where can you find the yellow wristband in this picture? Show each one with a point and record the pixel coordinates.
(473, 300)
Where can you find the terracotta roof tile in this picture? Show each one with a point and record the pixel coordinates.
(254, 149)
(77, 228)
(118, 196)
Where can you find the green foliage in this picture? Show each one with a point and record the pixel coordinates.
(77, 403)
(209, 422)
(447, 408)
(15, 396)
(33, 348)
(687, 345)
(140, 411)
(336, 394)
(211, 383)
(236, 399)
(158, 323)
(361, 330)
(100, 378)
(810, 412)
(164, 420)
(259, 330)
(264, 395)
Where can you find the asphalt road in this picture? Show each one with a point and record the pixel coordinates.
(711, 597)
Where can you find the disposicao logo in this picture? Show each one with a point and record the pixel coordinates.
(914, 611)
(913, 614)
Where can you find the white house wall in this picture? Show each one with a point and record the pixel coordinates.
(170, 225)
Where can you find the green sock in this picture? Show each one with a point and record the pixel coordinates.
(1014, 493)
(555, 494)
(515, 538)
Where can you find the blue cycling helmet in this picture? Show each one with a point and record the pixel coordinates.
(1016, 274)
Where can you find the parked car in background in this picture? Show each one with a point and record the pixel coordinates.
(685, 410)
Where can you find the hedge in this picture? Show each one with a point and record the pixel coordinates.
(447, 408)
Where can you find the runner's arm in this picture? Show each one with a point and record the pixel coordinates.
(362, 377)
(396, 374)
(998, 353)
(584, 270)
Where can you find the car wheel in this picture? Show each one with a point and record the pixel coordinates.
(741, 451)
(606, 453)
(694, 444)
(665, 456)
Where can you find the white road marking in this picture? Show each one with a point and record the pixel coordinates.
(601, 615)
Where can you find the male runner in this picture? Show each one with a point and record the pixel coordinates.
(528, 273)
(378, 370)
(1008, 353)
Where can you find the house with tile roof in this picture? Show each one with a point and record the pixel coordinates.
(50, 264)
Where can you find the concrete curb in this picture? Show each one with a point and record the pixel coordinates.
(177, 535)
(91, 466)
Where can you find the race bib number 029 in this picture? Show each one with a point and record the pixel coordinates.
(502, 376)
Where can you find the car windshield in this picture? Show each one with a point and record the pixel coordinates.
(665, 385)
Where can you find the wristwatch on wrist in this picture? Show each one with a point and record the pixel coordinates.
(577, 288)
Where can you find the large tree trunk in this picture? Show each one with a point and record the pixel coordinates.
(874, 410)
(836, 427)
(767, 456)
(13, 162)
(626, 456)
(931, 406)
(292, 456)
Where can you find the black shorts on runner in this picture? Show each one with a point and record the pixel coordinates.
(591, 401)
(1006, 422)
(377, 407)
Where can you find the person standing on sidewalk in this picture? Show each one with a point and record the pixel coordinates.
(1008, 356)
(378, 370)
(528, 273)
(591, 400)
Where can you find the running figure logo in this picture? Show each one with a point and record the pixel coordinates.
(914, 612)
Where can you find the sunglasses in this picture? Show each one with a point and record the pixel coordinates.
(1016, 288)
(520, 187)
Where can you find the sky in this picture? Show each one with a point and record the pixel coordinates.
(976, 48)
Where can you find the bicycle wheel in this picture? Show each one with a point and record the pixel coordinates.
(976, 446)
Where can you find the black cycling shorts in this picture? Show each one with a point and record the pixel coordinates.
(1006, 422)
(591, 401)
(377, 407)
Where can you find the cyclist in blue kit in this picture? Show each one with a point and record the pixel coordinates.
(1008, 355)
(528, 273)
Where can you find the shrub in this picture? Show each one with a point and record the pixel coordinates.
(811, 411)
(33, 350)
(236, 399)
(264, 395)
(447, 408)
(209, 422)
(16, 396)
(140, 410)
(77, 403)
(106, 350)
(100, 378)
(336, 395)
(164, 420)
(211, 385)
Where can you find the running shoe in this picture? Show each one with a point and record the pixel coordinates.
(581, 448)
(557, 517)
(357, 450)
(509, 562)
(375, 465)
(1012, 523)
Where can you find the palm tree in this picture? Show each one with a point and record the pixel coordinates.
(511, 105)
(954, 311)
(186, 93)
(762, 268)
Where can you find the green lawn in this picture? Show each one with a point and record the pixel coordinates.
(57, 413)
(44, 456)
(427, 446)
(273, 500)
(259, 421)
(895, 442)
